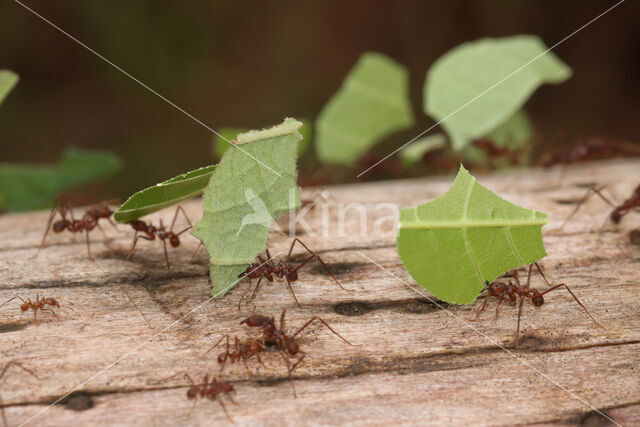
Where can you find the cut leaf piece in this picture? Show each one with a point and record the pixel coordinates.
(33, 186)
(414, 152)
(8, 80)
(171, 192)
(221, 145)
(372, 103)
(452, 244)
(478, 85)
(244, 197)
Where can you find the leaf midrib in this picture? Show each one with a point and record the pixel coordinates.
(472, 224)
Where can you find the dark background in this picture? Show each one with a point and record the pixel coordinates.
(250, 64)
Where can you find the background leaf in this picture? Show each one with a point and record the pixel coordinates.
(468, 70)
(414, 152)
(171, 192)
(33, 186)
(452, 244)
(8, 80)
(243, 197)
(372, 103)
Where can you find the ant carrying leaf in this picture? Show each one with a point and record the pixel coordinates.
(510, 292)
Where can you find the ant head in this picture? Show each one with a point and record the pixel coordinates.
(59, 225)
(292, 347)
(291, 273)
(222, 358)
(25, 306)
(192, 393)
(52, 302)
(537, 299)
(174, 240)
(616, 217)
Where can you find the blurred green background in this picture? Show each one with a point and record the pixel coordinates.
(249, 64)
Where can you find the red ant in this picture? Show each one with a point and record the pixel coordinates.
(493, 151)
(243, 351)
(511, 292)
(88, 222)
(285, 343)
(39, 304)
(150, 232)
(2, 373)
(210, 390)
(267, 269)
(633, 202)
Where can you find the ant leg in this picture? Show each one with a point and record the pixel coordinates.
(52, 312)
(225, 410)
(286, 360)
(216, 344)
(193, 255)
(261, 362)
(325, 324)
(542, 274)
(59, 202)
(4, 417)
(317, 257)
(590, 192)
(284, 311)
(88, 245)
(175, 216)
(255, 291)
(298, 361)
(518, 324)
(291, 290)
(553, 288)
(481, 309)
(137, 237)
(497, 308)
(166, 255)
(19, 365)
(11, 299)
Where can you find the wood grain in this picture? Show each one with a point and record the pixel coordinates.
(415, 363)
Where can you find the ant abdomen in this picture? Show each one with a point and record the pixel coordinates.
(59, 226)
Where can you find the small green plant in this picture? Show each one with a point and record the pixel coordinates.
(455, 243)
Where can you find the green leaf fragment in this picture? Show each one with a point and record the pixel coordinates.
(8, 80)
(414, 152)
(168, 193)
(244, 197)
(33, 186)
(455, 243)
(478, 85)
(222, 142)
(372, 103)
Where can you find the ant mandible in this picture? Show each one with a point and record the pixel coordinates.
(633, 202)
(510, 292)
(2, 373)
(88, 222)
(285, 343)
(150, 232)
(39, 304)
(243, 351)
(211, 390)
(266, 269)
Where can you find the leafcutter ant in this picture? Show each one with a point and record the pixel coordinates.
(87, 223)
(510, 292)
(210, 390)
(242, 351)
(267, 269)
(2, 374)
(39, 304)
(284, 342)
(150, 232)
(633, 202)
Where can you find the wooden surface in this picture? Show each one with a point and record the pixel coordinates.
(414, 364)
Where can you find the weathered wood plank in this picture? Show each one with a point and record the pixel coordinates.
(415, 363)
